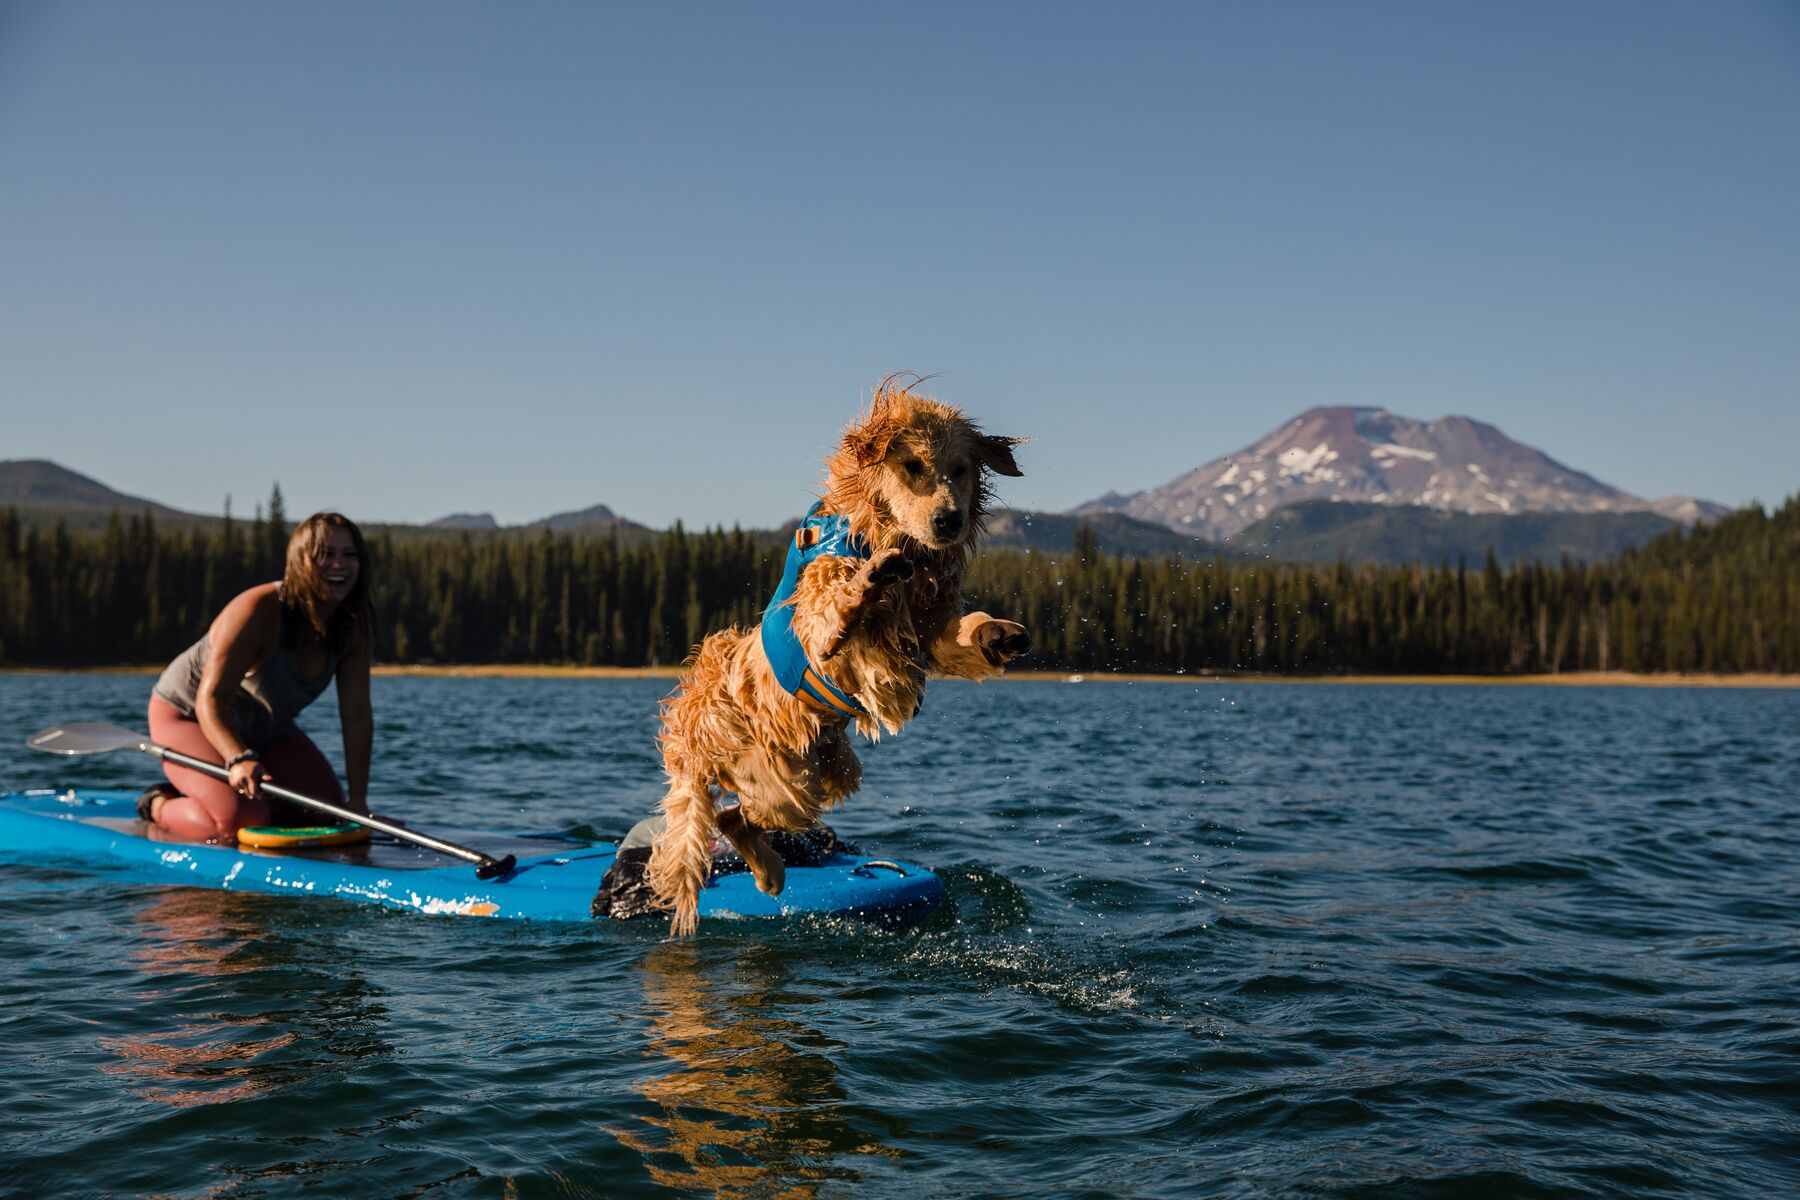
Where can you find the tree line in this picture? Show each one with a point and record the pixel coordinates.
(1723, 597)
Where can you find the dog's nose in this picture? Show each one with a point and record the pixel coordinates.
(947, 523)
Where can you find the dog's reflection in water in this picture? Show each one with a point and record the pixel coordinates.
(752, 1108)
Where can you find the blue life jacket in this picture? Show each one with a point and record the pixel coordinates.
(819, 534)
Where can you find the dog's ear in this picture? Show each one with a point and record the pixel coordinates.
(868, 443)
(997, 456)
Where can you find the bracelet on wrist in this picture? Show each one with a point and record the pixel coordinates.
(242, 756)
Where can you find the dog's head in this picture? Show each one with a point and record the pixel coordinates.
(921, 467)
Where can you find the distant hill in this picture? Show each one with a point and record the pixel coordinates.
(1370, 455)
(1325, 531)
(596, 519)
(45, 492)
(464, 521)
(1114, 533)
(40, 483)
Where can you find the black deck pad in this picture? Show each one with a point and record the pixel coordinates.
(625, 893)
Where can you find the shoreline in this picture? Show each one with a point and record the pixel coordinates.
(1748, 679)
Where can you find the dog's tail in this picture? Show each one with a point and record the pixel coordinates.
(683, 854)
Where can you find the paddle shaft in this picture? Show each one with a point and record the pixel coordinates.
(486, 866)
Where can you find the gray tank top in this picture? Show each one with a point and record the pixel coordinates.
(265, 703)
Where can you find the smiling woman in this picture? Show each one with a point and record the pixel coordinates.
(232, 696)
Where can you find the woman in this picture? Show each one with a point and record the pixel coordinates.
(232, 696)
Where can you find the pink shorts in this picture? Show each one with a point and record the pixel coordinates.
(292, 761)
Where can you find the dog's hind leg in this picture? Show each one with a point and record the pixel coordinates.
(683, 855)
(786, 791)
(752, 843)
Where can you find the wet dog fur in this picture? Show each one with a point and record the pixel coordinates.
(912, 475)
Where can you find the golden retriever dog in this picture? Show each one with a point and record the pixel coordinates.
(870, 604)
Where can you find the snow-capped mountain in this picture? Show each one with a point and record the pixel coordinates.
(1372, 455)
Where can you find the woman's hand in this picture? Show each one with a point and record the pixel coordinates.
(246, 776)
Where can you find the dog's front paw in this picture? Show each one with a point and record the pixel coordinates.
(888, 566)
(1001, 641)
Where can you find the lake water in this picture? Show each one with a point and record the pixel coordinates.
(1204, 939)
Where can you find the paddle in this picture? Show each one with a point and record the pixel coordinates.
(94, 737)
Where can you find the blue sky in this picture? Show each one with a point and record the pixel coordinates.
(410, 258)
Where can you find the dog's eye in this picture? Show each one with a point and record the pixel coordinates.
(914, 467)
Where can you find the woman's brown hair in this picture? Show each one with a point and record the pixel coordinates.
(303, 586)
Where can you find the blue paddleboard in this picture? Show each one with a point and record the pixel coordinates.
(555, 879)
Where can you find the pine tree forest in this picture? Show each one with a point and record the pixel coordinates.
(1719, 598)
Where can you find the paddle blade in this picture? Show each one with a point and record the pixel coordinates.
(87, 737)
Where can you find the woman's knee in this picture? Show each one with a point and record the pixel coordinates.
(209, 819)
